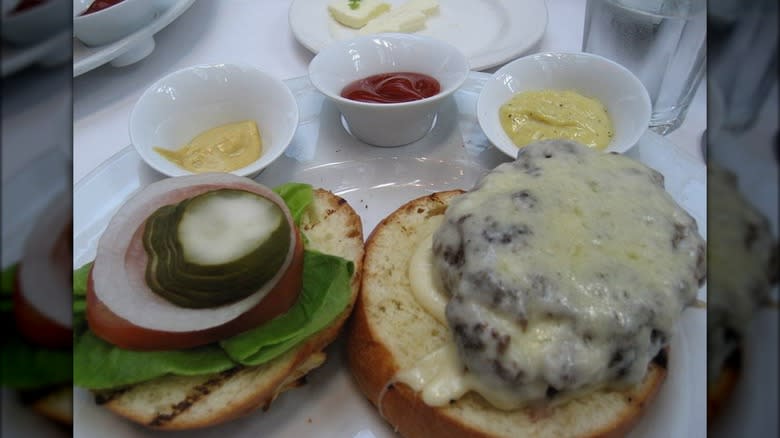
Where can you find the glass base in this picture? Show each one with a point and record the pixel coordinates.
(668, 121)
(666, 128)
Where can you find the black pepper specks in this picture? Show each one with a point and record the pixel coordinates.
(524, 199)
(621, 361)
(657, 337)
(526, 165)
(497, 232)
(504, 372)
(467, 338)
(657, 178)
(502, 341)
(680, 233)
(540, 286)
(701, 265)
(616, 359)
(662, 358)
(453, 256)
(751, 235)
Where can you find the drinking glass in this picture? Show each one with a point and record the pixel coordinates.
(743, 57)
(663, 42)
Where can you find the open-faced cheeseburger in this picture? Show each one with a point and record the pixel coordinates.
(743, 267)
(36, 313)
(211, 294)
(540, 303)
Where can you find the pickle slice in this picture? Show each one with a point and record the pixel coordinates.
(215, 248)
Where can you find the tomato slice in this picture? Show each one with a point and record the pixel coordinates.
(120, 332)
(36, 327)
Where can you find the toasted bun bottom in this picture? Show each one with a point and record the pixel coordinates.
(179, 402)
(720, 390)
(390, 332)
(54, 403)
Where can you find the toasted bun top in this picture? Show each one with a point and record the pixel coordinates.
(390, 332)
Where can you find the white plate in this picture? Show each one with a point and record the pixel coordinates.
(131, 48)
(49, 52)
(376, 181)
(488, 32)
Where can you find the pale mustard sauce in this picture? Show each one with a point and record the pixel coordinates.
(222, 149)
(556, 114)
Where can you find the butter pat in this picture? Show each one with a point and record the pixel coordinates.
(427, 7)
(407, 18)
(356, 18)
(400, 20)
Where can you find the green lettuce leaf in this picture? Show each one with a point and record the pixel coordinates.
(80, 277)
(298, 198)
(22, 364)
(100, 365)
(27, 366)
(326, 292)
(7, 279)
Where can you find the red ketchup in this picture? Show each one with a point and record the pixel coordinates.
(392, 88)
(99, 5)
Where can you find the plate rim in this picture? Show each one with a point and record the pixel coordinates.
(481, 61)
(18, 58)
(101, 55)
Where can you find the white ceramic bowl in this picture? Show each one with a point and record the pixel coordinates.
(623, 94)
(178, 107)
(35, 24)
(388, 124)
(114, 23)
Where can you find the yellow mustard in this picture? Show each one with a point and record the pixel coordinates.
(222, 149)
(556, 114)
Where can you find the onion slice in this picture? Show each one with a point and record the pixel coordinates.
(44, 276)
(118, 331)
(118, 274)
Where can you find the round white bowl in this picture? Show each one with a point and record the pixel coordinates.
(623, 94)
(113, 23)
(388, 124)
(178, 107)
(35, 24)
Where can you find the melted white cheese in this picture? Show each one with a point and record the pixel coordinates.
(425, 282)
(568, 270)
(740, 251)
(440, 377)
